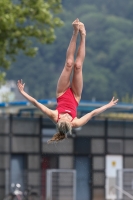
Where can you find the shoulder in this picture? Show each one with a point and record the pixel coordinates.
(54, 115)
(75, 122)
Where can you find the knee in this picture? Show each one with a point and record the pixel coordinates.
(69, 64)
(77, 67)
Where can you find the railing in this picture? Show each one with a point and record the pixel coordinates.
(120, 190)
(47, 184)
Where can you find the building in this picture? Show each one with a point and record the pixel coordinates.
(9, 92)
(102, 146)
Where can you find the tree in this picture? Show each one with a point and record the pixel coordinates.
(21, 22)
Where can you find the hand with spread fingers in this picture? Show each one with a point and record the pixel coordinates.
(20, 85)
(113, 102)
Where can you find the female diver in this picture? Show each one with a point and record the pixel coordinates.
(68, 93)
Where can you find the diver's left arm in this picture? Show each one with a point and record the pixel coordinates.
(83, 120)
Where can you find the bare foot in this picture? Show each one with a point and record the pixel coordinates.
(76, 25)
(82, 29)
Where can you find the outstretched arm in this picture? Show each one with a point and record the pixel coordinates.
(43, 108)
(83, 120)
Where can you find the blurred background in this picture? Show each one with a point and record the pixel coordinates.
(96, 162)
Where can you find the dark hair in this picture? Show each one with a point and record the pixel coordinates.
(63, 128)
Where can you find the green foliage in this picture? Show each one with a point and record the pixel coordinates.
(20, 21)
(109, 52)
(2, 78)
(127, 99)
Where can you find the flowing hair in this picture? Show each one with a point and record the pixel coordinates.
(63, 128)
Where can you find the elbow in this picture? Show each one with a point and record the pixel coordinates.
(34, 102)
(93, 113)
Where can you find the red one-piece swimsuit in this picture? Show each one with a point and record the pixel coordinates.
(67, 103)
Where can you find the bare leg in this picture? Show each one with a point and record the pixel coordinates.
(77, 81)
(64, 79)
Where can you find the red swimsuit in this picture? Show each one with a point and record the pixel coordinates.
(67, 103)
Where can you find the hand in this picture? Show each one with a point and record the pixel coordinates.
(20, 85)
(113, 102)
